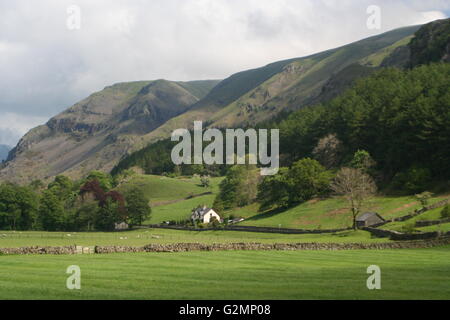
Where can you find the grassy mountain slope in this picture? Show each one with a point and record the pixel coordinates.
(432, 43)
(96, 132)
(256, 95)
(301, 82)
(100, 130)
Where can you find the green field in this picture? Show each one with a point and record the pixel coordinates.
(179, 210)
(332, 213)
(160, 189)
(440, 227)
(434, 214)
(405, 274)
(169, 196)
(148, 236)
(169, 200)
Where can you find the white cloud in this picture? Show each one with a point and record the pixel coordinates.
(432, 15)
(13, 126)
(45, 67)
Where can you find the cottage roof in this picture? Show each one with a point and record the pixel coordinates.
(365, 216)
(202, 211)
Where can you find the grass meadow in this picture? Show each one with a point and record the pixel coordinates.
(170, 200)
(332, 213)
(405, 274)
(258, 275)
(160, 189)
(147, 236)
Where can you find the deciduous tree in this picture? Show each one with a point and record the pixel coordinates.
(356, 186)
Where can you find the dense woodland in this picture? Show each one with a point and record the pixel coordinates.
(66, 205)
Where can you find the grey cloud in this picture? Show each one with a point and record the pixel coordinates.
(45, 67)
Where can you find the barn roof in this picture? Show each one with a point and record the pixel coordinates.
(365, 216)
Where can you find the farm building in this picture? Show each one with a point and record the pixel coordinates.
(122, 226)
(205, 215)
(369, 219)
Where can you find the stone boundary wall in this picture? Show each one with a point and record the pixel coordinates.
(419, 236)
(381, 232)
(439, 204)
(284, 230)
(427, 223)
(253, 229)
(39, 250)
(187, 247)
(399, 236)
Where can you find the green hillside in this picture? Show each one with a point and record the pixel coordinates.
(98, 131)
(377, 58)
(180, 210)
(172, 199)
(257, 95)
(199, 88)
(331, 213)
(160, 189)
(169, 199)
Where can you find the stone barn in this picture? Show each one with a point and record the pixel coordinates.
(122, 226)
(369, 219)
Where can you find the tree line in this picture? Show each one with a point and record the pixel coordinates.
(90, 204)
(301, 182)
(401, 117)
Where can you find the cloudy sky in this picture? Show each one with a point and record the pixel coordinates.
(47, 63)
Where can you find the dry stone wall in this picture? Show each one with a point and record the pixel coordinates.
(39, 250)
(427, 223)
(252, 229)
(186, 247)
(399, 236)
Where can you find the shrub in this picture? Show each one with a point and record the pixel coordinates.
(215, 224)
(414, 180)
(409, 228)
(424, 198)
(445, 213)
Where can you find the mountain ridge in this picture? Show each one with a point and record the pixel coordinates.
(126, 117)
(102, 127)
(304, 88)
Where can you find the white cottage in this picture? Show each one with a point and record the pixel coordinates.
(205, 215)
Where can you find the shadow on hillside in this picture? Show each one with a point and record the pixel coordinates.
(267, 214)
